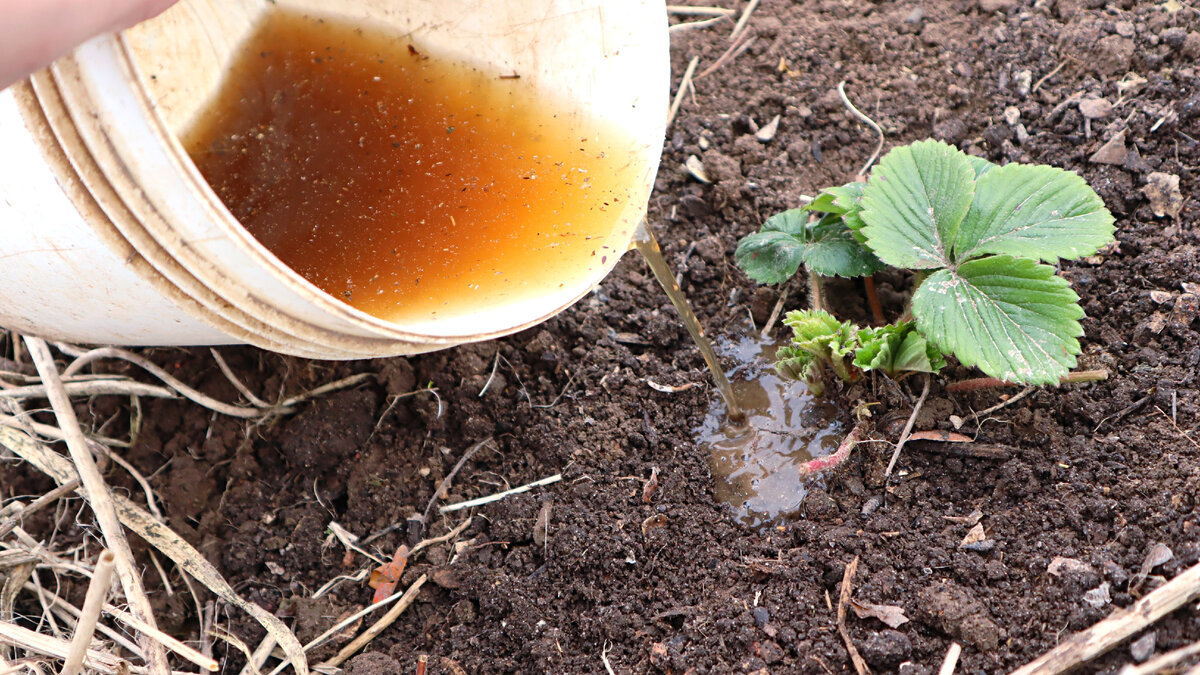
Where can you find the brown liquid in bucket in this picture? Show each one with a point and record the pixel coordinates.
(410, 187)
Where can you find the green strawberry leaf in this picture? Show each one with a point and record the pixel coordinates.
(787, 241)
(838, 199)
(1011, 317)
(774, 255)
(824, 203)
(980, 165)
(896, 349)
(833, 251)
(1038, 212)
(914, 203)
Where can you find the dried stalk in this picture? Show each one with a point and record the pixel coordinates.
(90, 614)
(860, 665)
(386, 620)
(1088, 644)
(907, 430)
(185, 557)
(99, 498)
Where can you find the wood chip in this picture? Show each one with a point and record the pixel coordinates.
(974, 536)
(1113, 152)
(767, 132)
(696, 168)
(1162, 191)
(668, 388)
(891, 615)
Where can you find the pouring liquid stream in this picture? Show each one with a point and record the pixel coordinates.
(647, 245)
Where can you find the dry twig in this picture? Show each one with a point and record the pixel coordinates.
(951, 661)
(841, 90)
(735, 50)
(185, 557)
(99, 499)
(90, 614)
(907, 430)
(386, 620)
(501, 495)
(685, 83)
(1088, 644)
(847, 591)
(444, 484)
(689, 10)
(1162, 661)
(743, 20)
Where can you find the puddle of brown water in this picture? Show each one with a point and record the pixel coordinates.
(755, 468)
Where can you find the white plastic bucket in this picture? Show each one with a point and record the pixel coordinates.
(108, 233)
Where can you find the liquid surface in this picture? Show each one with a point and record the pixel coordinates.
(755, 467)
(648, 246)
(409, 187)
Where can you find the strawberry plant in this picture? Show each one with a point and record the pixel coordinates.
(982, 239)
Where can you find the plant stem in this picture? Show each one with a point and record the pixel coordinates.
(919, 277)
(873, 300)
(816, 295)
(825, 463)
(978, 383)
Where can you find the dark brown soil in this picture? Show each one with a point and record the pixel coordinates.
(587, 569)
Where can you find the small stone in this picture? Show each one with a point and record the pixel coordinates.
(960, 614)
(915, 16)
(770, 652)
(1191, 46)
(1187, 308)
(990, 6)
(721, 166)
(1112, 152)
(952, 130)
(1174, 37)
(372, 663)
(886, 649)
(1124, 29)
(1143, 647)
(1113, 55)
(761, 616)
(659, 655)
(1022, 134)
(996, 134)
(704, 143)
(1095, 108)
(1012, 115)
(1024, 82)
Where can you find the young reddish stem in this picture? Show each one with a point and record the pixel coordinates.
(873, 300)
(825, 463)
(978, 383)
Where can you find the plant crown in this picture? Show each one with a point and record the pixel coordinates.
(981, 235)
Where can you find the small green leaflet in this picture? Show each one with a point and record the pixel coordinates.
(896, 349)
(1011, 317)
(774, 254)
(787, 241)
